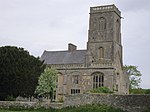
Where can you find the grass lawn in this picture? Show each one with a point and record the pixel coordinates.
(87, 108)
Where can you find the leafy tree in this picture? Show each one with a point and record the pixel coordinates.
(47, 83)
(134, 76)
(19, 72)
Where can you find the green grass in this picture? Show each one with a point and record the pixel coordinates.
(87, 108)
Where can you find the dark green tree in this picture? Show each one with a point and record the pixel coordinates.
(134, 76)
(19, 72)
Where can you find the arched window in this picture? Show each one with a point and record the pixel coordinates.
(102, 24)
(75, 79)
(98, 80)
(101, 52)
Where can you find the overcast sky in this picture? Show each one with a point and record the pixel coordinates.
(39, 25)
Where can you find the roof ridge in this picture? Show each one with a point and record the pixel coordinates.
(66, 50)
(57, 51)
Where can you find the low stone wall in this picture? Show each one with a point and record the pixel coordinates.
(28, 105)
(130, 103)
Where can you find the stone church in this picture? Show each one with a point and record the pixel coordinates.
(98, 65)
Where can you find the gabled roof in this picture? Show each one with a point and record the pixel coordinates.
(64, 57)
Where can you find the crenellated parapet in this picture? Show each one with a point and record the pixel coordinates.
(105, 9)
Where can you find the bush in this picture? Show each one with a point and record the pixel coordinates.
(101, 90)
(10, 98)
(147, 91)
(139, 91)
(147, 110)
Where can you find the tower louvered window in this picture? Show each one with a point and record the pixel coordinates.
(101, 52)
(102, 24)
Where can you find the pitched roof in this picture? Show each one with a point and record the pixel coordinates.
(64, 57)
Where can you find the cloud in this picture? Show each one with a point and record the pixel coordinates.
(134, 5)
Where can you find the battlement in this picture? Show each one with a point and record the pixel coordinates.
(105, 9)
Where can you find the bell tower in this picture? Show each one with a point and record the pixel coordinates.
(104, 49)
(104, 38)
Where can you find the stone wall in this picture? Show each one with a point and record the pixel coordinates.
(130, 103)
(28, 105)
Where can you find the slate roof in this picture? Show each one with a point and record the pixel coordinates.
(64, 57)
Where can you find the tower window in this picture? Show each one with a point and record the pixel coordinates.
(101, 52)
(117, 74)
(102, 24)
(116, 87)
(98, 80)
(118, 30)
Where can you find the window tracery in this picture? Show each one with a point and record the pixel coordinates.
(98, 80)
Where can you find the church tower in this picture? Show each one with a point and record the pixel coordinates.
(104, 39)
(104, 49)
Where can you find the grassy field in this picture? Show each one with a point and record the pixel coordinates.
(87, 108)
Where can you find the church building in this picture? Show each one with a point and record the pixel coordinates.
(97, 66)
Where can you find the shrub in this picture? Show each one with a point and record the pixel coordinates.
(10, 98)
(147, 110)
(139, 91)
(101, 90)
(147, 91)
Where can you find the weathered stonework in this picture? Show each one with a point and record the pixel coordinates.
(29, 105)
(130, 103)
(100, 64)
